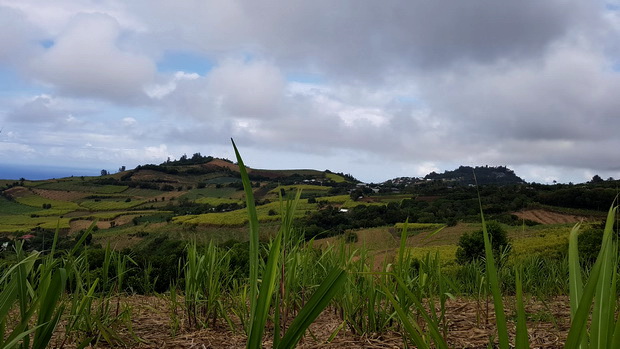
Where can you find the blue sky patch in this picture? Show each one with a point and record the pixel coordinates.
(189, 62)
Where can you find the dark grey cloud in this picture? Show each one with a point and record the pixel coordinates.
(422, 84)
(370, 39)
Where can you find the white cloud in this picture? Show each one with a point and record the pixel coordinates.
(86, 60)
(158, 91)
(247, 89)
(11, 151)
(18, 37)
(414, 85)
(129, 122)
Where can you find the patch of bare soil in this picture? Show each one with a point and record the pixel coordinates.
(149, 175)
(469, 324)
(221, 163)
(17, 192)
(549, 217)
(447, 236)
(60, 195)
(83, 224)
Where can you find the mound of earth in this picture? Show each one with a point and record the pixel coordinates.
(549, 217)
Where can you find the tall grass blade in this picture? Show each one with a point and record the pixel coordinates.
(577, 331)
(522, 338)
(575, 279)
(253, 221)
(412, 328)
(433, 326)
(49, 315)
(263, 303)
(604, 296)
(318, 302)
(491, 271)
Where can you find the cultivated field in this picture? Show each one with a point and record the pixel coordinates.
(208, 255)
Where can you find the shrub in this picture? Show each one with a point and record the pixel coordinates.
(451, 222)
(589, 245)
(471, 245)
(350, 236)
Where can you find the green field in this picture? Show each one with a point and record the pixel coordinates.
(334, 177)
(212, 192)
(13, 207)
(38, 201)
(240, 217)
(81, 186)
(24, 223)
(214, 201)
(110, 204)
(303, 187)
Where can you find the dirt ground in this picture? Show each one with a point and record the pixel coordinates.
(467, 323)
(61, 195)
(549, 217)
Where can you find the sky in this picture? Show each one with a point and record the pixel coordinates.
(377, 89)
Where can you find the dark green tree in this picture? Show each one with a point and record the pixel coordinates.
(471, 245)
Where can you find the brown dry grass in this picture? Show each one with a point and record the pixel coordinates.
(83, 224)
(61, 195)
(548, 217)
(469, 325)
(17, 192)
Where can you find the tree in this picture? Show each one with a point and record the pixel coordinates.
(121, 169)
(471, 245)
(596, 179)
(104, 172)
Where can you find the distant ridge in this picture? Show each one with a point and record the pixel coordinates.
(464, 175)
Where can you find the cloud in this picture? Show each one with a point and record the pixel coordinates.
(86, 60)
(158, 91)
(247, 89)
(9, 150)
(366, 40)
(407, 85)
(129, 122)
(41, 108)
(19, 38)
(547, 111)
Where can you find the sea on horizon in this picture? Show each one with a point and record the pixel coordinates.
(31, 172)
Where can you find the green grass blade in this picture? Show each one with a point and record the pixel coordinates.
(577, 331)
(522, 338)
(13, 340)
(7, 299)
(615, 340)
(575, 279)
(433, 326)
(603, 299)
(79, 243)
(253, 221)
(332, 284)
(491, 271)
(48, 313)
(263, 303)
(403, 244)
(413, 330)
(430, 235)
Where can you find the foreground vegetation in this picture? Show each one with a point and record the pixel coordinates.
(59, 290)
